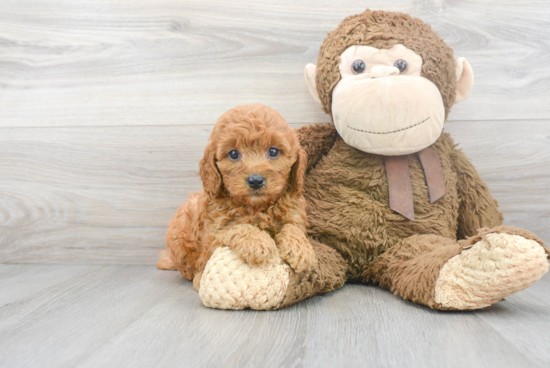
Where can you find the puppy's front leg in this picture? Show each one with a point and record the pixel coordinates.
(295, 248)
(252, 245)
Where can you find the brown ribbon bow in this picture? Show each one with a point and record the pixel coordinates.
(399, 181)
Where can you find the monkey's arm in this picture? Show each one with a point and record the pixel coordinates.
(477, 207)
(316, 140)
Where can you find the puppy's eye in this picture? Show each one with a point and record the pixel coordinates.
(273, 152)
(358, 66)
(234, 155)
(401, 65)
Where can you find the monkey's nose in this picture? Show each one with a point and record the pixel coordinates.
(255, 181)
(383, 71)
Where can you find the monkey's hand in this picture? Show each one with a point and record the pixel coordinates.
(295, 248)
(252, 245)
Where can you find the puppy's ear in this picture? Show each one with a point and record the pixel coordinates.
(210, 175)
(298, 172)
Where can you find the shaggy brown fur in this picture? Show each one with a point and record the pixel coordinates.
(347, 191)
(348, 209)
(348, 202)
(383, 30)
(328, 274)
(411, 268)
(258, 224)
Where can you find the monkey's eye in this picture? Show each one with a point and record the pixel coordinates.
(401, 65)
(273, 152)
(234, 155)
(358, 66)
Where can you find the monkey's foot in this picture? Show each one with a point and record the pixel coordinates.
(229, 283)
(497, 265)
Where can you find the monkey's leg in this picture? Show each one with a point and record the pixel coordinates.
(229, 283)
(469, 274)
(328, 274)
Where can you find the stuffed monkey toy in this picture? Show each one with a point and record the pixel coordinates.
(390, 200)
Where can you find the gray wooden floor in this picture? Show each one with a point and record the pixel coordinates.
(100, 316)
(105, 109)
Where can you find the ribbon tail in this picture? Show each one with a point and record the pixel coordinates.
(400, 186)
(433, 173)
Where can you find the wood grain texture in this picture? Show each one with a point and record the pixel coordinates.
(106, 194)
(94, 316)
(105, 109)
(174, 62)
(93, 194)
(526, 319)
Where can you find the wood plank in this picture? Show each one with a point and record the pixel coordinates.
(524, 320)
(71, 320)
(16, 283)
(102, 195)
(369, 326)
(174, 62)
(106, 194)
(513, 157)
(138, 316)
(356, 326)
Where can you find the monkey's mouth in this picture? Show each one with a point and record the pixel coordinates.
(391, 131)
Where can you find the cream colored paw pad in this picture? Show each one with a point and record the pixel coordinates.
(229, 283)
(490, 270)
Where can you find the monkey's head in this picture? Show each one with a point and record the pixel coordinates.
(389, 82)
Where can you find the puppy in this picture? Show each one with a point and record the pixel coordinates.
(252, 173)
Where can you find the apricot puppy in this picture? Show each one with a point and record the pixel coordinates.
(252, 173)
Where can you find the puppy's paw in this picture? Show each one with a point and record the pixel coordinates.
(295, 248)
(257, 249)
(302, 260)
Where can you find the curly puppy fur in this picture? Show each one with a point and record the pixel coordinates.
(260, 225)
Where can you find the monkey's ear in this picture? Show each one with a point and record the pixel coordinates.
(210, 176)
(464, 79)
(311, 73)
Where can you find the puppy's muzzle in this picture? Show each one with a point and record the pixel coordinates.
(255, 181)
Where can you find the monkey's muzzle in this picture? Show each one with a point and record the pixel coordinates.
(393, 115)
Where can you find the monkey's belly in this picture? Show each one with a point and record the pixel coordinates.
(348, 206)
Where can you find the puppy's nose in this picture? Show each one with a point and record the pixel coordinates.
(255, 181)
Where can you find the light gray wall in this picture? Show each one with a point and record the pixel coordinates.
(105, 107)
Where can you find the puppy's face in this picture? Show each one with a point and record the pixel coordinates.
(255, 161)
(255, 152)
